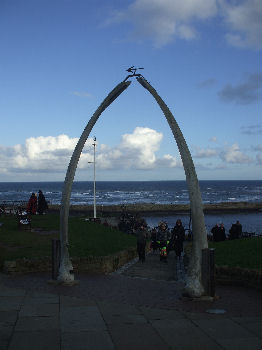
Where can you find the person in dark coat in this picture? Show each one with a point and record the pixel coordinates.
(215, 233)
(235, 231)
(178, 237)
(42, 204)
(32, 204)
(141, 242)
(154, 244)
(222, 232)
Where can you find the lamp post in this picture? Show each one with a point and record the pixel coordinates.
(94, 162)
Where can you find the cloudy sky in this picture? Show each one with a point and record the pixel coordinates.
(60, 58)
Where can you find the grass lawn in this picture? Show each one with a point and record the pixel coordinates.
(85, 238)
(246, 253)
(88, 238)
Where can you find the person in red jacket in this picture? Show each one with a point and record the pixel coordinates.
(32, 204)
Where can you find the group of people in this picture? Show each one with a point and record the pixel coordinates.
(37, 204)
(162, 239)
(130, 223)
(219, 232)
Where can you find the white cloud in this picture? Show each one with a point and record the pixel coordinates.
(213, 139)
(254, 129)
(81, 94)
(233, 154)
(136, 151)
(169, 161)
(164, 20)
(259, 148)
(205, 152)
(244, 19)
(259, 159)
(52, 154)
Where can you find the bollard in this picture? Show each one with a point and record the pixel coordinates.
(56, 252)
(208, 271)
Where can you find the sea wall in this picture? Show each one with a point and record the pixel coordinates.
(155, 209)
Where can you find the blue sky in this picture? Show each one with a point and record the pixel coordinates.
(59, 59)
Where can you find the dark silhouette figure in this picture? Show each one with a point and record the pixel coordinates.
(141, 242)
(178, 237)
(32, 204)
(222, 232)
(42, 205)
(215, 233)
(154, 244)
(235, 231)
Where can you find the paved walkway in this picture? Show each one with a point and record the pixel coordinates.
(138, 307)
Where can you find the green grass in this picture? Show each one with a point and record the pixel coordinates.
(88, 238)
(93, 239)
(245, 253)
(85, 238)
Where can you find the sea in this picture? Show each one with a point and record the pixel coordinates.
(157, 192)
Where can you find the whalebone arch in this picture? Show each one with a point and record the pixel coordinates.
(193, 284)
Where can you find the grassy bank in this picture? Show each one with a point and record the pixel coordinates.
(245, 253)
(85, 238)
(90, 239)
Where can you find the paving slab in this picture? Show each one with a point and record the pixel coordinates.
(29, 299)
(223, 328)
(40, 310)
(253, 324)
(117, 314)
(241, 343)
(9, 303)
(81, 318)
(4, 344)
(7, 319)
(91, 340)
(180, 327)
(183, 334)
(11, 292)
(37, 323)
(5, 335)
(139, 337)
(140, 309)
(161, 314)
(32, 340)
(66, 301)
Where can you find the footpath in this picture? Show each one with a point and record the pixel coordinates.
(137, 307)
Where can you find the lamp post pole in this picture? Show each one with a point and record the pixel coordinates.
(94, 144)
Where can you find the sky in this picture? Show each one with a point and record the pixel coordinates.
(59, 59)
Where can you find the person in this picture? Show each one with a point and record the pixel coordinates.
(141, 242)
(163, 237)
(235, 231)
(239, 229)
(154, 244)
(32, 204)
(178, 237)
(222, 232)
(42, 204)
(215, 233)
